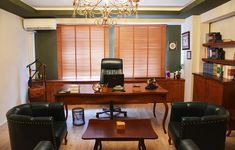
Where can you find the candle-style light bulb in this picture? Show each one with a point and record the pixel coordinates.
(106, 2)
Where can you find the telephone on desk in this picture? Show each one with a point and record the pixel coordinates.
(151, 84)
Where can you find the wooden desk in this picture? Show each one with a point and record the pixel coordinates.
(87, 96)
(105, 130)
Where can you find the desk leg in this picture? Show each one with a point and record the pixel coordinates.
(154, 107)
(97, 145)
(141, 145)
(165, 116)
(66, 111)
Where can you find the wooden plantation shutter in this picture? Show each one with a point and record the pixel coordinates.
(140, 51)
(157, 48)
(83, 51)
(68, 68)
(124, 45)
(142, 48)
(80, 50)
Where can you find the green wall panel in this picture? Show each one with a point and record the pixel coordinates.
(173, 34)
(46, 51)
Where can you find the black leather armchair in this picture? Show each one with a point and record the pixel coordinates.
(31, 123)
(203, 123)
(111, 66)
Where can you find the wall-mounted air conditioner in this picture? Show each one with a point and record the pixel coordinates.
(39, 24)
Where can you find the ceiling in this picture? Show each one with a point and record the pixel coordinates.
(147, 8)
(50, 4)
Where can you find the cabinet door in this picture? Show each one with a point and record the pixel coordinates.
(165, 84)
(175, 89)
(214, 93)
(199, 88)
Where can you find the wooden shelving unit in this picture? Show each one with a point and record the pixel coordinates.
(211, 89)
(220, 61)
(220, 44)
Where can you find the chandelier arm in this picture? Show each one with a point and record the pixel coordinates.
(106, 10)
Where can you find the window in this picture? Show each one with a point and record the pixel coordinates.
(80, 50)
(142, 48)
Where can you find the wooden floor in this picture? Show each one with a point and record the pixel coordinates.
(134, 111)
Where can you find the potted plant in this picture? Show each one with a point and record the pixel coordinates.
(177, 73)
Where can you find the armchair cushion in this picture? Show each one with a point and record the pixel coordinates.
(201, 122)
(30, 123)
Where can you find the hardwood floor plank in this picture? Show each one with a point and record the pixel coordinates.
(134, 111)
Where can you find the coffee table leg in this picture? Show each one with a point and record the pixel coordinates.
(97, 145)
(141, 145)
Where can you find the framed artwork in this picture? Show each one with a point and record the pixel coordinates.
(188, 54)
(172, 45)
(185, 38)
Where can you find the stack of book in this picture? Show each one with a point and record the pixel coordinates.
(208, 68)
(212, 69)
(227, 72)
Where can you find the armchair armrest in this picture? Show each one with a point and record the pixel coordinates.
(188, 144)
(44, 145)
(57, 111)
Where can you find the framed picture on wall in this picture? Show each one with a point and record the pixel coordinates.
(185, 38)
(188, 54)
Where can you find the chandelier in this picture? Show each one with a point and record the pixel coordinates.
(105, 11)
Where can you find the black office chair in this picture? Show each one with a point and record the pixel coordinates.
(111, 66)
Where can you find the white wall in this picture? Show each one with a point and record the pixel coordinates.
(226, 28)
(15, 44)
(191, 24)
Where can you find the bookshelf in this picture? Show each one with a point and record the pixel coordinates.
(220, 44)
(220, 61)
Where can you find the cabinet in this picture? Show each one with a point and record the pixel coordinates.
(175, 89)
(214, 90)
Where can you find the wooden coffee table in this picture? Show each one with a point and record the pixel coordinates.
(105, 130)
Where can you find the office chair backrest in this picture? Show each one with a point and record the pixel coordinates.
(110, 66)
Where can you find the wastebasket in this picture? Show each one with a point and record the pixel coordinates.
(78, 116)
